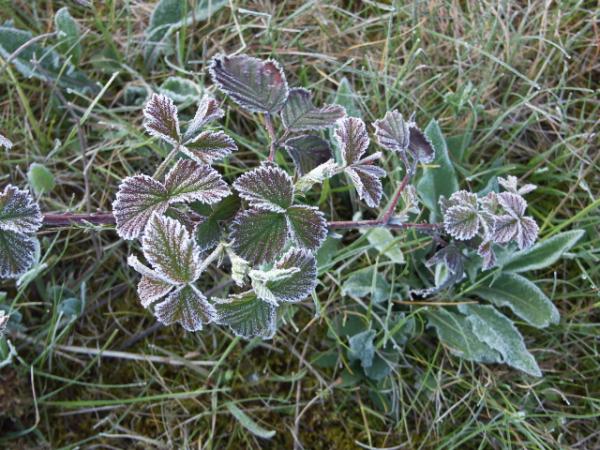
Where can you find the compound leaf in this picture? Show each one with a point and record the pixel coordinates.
(497, 331)
(137, 199)
(161, 119)
(308, 227)
(209, 146)
(267, 187)
(308, 152)
(300, 114)
(259, 236)
(352, 138)
(392, 132)
(186, 305)
(189, 181)
(167, 245)
(256, 85)
(18, 211)
(522, 296)
(247, 315)
(17, 253)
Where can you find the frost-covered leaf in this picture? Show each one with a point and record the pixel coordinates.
(392, 132)
(5, 142)
(362, 348)
(366, 180)
(40, 178)
(167, 245)
(209, 146)
(208, 111)
(153, 286)
(259, 236)
(543, 254)
(161, 119)
(208, 233)
(292, 279)
(461, 222)
(307, 225)
(308, 152)
(17, 253)
(522, 296)
(186, 305)
(239, 267)
(440, 179)
(367, 282)
(506, 228)
(18, 211)
(137, 199)
(420, 145)
(453, 262)
(247, 315)
(68, 34)
(352, 138)
(256, 85)
(510, 183)
(266, 187)
(179, 89)
(3, 322)
(513, 224)
(456, 333)
(299, 113)
(497, 331)
(189, 181)
(486, 251)
(316, 176)
(383, 241)
(513, 204)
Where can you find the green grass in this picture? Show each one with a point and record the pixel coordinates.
(532, 111)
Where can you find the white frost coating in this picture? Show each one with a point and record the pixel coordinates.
(307, 226)
(186, 305)
(153, 286)
(3, 322)
(392, 132)
(5, 142)
(352, 138)
(366, 180)
(208, 111)
(514, 224)
(17, 253)
(267, 188)
(247, 315)
(18, 211)
(510, 183)
(300, 114)
(161, 119)
(209, 146)
(188, 181)
(317, 175)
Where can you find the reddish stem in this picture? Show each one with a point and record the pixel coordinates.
(62, 219)
(373, 223)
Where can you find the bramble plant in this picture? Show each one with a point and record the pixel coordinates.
(187, 217)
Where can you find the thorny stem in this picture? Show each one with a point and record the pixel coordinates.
(272, 137)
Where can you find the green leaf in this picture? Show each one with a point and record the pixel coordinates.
(544, 253)
(456, 333)
(17, 253)
(49, 66)
(362, 348)
(180, 89)
(248, 423)
(186, 305)
(68, 35)
(346, 97)
(384, 242)
(522, 296)
(307, 225)
(300, 114)
(247, 315)
(18, 211)
(367, 282)
(259, 236)
(308, 152)
(209, 231)
(440, 179)
(497, 331)
(40, 178)
(266, 187)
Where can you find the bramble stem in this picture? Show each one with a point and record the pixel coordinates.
(62, 219)
(374, 223)
(272, 137)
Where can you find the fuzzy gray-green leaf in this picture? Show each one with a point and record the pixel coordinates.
(186, 305)
(68, 34)
(247, 315)
(18, 211)
(259, 236)
(299, 113)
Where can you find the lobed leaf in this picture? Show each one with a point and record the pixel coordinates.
(267, 187)
(189, 181)
(498, 332)
(523, 297)
(307, 226)
(256, 85)
(161, 119)
(167, 245)
(18, 211)
(208, 111)
(186, 305)
(17, 253)
(137, 199)
(300, 114)
(352, 138)
(247, 315)
(258, 235)
(392, 132)
(308, 152)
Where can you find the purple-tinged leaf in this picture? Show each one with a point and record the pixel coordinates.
(352, 138)
(419, 145)
(137, 199)
(209, 146)
(392, 132)
(366, 180)
(247, 315)
(167, 245)
(307, 225)
(186, 305)
(514, 204)
(208, 111)
(510, 183)
(153, 286)
(463, 198)
(299, 284)
(17, 253)
(266, 187)
(259, 236)
(189, 181)
(461, 222)
(528, 233)
(18, 211)
(256, 85)
(300, 114)
(486, 251)
(161, 119)
(307, 152)
(5, 142)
